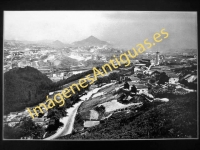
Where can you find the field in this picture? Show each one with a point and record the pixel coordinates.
(175, 119)
(91, 103)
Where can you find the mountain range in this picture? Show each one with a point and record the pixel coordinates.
(90, 41)
(50, 43)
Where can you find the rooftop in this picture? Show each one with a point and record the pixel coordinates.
(172, 75)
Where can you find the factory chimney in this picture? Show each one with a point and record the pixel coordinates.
(157, 58)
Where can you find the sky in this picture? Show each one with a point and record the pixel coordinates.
(127, 28)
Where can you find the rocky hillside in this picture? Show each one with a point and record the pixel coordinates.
(24, 87)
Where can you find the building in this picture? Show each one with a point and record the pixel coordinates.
(147, 62)
(45, 70)
(13, 122)
(88, 124)
(39, 121)
(24, 63)
(13, 113)
(183, 61)
(173, 78)
(185, 54)
(134, 79)
(190, 78)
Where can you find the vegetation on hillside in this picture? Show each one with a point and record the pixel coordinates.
(175, 119)
(25, 128)
(24, 87)
(57, 85)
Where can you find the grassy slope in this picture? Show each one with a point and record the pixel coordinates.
(175, 119)
(90, 104)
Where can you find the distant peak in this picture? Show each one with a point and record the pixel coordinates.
(91, 41)
(56, 41)
(92, 37)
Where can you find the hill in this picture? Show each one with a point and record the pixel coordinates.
(24, 87)
(54, 44)
(91, 41)
(62, 60)
(57, 44)
(175, 119)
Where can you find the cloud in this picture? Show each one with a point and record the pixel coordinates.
(122, 27)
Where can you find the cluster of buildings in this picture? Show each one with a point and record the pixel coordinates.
(153, 65)
(45, 59)
(24, 57)
(14, 118)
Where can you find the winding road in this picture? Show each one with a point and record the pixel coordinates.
(68, 121)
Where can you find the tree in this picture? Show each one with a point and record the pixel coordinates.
(55, 114)
(99, 82)
(25, 128)
(133, 89)
(163, 78)
(12, 133)
(114, 76)
(100, 109)
(54, 124)
(139, 75)
(126, 85)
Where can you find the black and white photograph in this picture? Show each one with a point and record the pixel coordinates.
(100, 75)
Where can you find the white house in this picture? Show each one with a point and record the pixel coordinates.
(173, 78)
